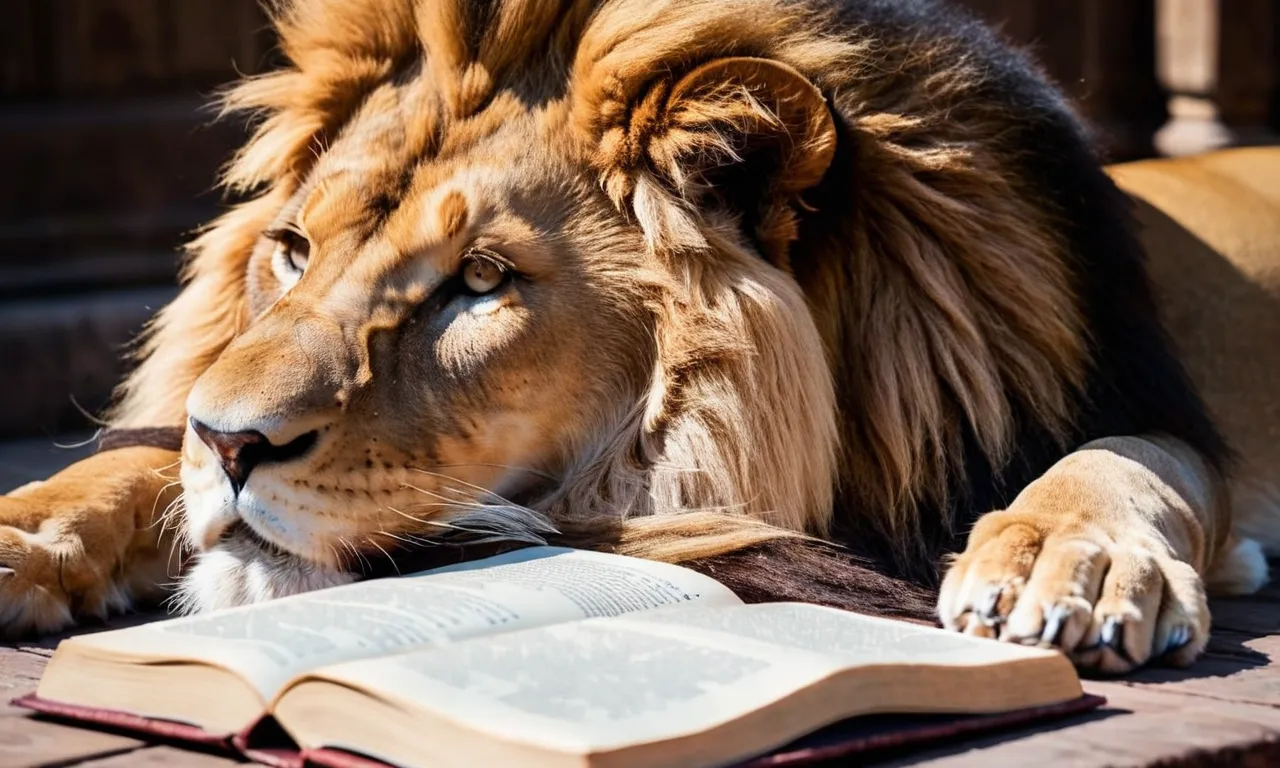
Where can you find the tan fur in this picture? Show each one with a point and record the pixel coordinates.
(89, 541)
(1122, 528)
(646, 378)
(933, 275)
(1139, 528)
(1212, 227)
(950, 324)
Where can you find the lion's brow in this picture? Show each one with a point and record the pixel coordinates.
(389, 195)
(452, 214)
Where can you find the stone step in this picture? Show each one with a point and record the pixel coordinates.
(62, 356)
(107, 191)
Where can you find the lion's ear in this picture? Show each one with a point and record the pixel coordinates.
(750, 133)
(744, 111)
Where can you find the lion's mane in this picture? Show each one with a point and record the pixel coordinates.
(979, 297)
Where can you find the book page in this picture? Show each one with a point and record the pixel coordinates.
(849, 638)
(608, 684)
(270, 642)
(578, 687)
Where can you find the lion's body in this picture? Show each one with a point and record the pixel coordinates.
(684, 278)
(1211, 228)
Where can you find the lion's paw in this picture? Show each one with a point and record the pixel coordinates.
(1110, 606)
(57, 567)
(32, 596)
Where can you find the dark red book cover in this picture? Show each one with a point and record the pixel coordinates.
(263, 742)
(266, 742)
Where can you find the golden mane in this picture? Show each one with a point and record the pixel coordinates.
(917, 294)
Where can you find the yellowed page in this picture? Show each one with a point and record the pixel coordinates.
(271, 642)
(602, 685)
(848, 638)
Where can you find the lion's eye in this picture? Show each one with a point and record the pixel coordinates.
(291, 254)
(482, 274)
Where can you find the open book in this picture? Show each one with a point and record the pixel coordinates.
(545, 657)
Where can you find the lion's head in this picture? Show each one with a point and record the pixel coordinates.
(513, 266)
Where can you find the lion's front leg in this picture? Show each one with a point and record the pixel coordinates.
(88, 541)
(1103, 556)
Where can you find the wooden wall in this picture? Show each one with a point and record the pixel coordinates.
(103, 134)
(1102, 52)
(107, 159)
(1246, 86)
(107, 149)
(1122, 60)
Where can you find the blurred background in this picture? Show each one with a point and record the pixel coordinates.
(108, 157)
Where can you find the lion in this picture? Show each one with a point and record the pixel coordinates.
(824, 283)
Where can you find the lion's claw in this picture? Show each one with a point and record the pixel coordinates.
(989, 611)
(1055, 622)
(1178, 638)
(1111, 607)
(1113, 636)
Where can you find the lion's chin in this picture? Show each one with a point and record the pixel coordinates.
(240, 571)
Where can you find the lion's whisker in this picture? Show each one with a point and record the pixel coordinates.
(445, 524)
(365, 566)
(166, 518)
(472, 486)
(180, 600)
(160, 520)
(465, 503)
(170, 518)
(512, 467)
(425, 492)
(337, 559)
(159, 471)
(87, 441)
(390, 559)
(433, 523)
(407, 539)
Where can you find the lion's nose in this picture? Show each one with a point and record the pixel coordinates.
(240, 452)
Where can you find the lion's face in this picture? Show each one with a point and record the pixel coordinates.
(537, 264)
(429, 340)
(513, 270)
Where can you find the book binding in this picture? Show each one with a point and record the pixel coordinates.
(266, 743)
(260, 742)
